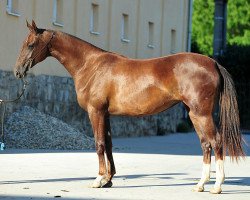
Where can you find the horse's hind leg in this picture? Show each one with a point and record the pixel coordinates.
(206, 148)
(220, 175)
(206, 129)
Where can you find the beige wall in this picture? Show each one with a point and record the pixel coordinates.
(150, 11)
(119, 7)
(166, 15)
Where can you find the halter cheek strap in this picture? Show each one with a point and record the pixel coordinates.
(47, 45)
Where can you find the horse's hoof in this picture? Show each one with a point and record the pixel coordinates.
(101, 181)
(198, 188)
(216, 190)
(108, 184)
(96, 185)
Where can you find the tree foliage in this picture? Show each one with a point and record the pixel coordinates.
(238, 24)
(202, 26)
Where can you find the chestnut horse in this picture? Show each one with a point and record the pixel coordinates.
(107, 83)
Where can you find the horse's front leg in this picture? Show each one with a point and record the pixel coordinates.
(97, 119)
(108, 141)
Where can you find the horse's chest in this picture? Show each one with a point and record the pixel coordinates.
(82, 100)
(94, 97)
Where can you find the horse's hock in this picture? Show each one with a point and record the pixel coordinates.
(56, 96)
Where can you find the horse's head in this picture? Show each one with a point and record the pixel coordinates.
(34, 50)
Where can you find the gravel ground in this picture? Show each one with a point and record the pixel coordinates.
(31, 129)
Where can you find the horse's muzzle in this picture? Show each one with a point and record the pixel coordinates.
(18, 74)
(21, 71)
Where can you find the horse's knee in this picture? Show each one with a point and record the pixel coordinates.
(100, 148)
(217, 146)
(217, 143)
(206, 147)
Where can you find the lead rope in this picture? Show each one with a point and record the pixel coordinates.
(3, 106)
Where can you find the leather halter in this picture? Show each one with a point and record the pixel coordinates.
(31, 59)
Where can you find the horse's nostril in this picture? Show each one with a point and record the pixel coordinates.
(18, 74)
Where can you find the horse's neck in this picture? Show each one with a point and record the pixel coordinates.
(71, 52)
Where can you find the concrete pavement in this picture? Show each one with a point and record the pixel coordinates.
(164, 167)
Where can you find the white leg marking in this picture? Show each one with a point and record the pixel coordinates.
(205, 176)
(99, 181)
(220, 176)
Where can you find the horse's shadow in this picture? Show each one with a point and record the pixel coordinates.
(46, 180)
(240, 181)
(159, 176)
(243, 181)
(134, 176)
(234, 181)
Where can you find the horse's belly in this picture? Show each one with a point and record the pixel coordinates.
(141, 104)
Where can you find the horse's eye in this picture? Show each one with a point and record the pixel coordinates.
(31, 46)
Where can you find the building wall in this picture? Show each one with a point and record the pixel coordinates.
(169, 19)
(147, 15)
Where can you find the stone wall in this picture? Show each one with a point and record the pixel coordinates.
(56, 96)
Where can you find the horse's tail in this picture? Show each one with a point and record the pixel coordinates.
(229, 117)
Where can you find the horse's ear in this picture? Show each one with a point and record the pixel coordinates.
(34, 26)
(29, 26)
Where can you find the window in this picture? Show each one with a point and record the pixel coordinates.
(12, 7)
(94, 19)
(151, 35)
(125, 28)
(58, 13)
(173, 41)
